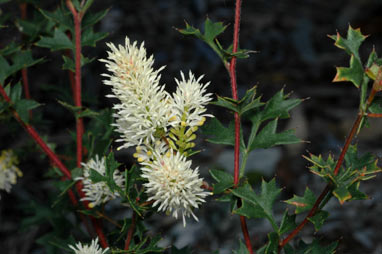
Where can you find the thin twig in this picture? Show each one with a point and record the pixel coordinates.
(131, 231)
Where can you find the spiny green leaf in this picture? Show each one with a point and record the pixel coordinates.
(91, 18)
(288, 223)
(4, 69)
(224, 180)
(70, 65)
(96, 177)
(264, 201)
(10, 48)
(353, 74)
(23, 106)
(304, 203)
(268, 137)
(59, 41)
(352, 43)
(318, 219)
(212, 29)
(342, 193)
(220, 134)
(23, 59)
(279, 106)
(316, 248)
(89, 37)
(356, 194)
(61, 16)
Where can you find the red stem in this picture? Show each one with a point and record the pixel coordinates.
(131, 231)
(77, 17)
(232, 74)
(246, 234)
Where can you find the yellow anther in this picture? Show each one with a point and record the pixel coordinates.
(139, 149)
(149, 153)
(91, 205)
(135, 155)
(183, 123)
(173, 118)
(140, 159)
(168, 154)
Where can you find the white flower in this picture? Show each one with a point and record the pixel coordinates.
(190, 100)
(144, 110)
(93, 248)
(173, 185)
(8, 170)
(98, 193)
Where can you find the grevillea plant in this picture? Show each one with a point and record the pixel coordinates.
(162, 128)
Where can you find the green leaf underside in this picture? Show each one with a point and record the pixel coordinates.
(303, 203)
(263, 202)
(318, 219)
(224, 180)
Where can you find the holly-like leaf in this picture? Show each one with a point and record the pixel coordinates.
(353, 74)
(224, 180)
(263, 202)
(23, 106)
(218, 134)
(61, 16)
(288, 223)
(315, 248)
(279, 106)
(247, 103)
(268, 137)
(23, 59)
(242, 249)
(70, 65)
(10, 49)
(91, 18)
(89, 37)
(318, 219)
(59, 41)
(352, 43)
(304, 203)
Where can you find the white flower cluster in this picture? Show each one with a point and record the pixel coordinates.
(160, 125)
(93, 248)
(98, 192)
(8, 170)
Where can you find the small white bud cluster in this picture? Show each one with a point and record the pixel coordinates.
(98, 193)
(93, 248)
(8, 170)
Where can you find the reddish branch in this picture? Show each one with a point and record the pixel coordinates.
(131, 231)
(341, 158)
(232, 74)
(77, 18)
(24, 71)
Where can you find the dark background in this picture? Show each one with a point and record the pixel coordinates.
(294, 52)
